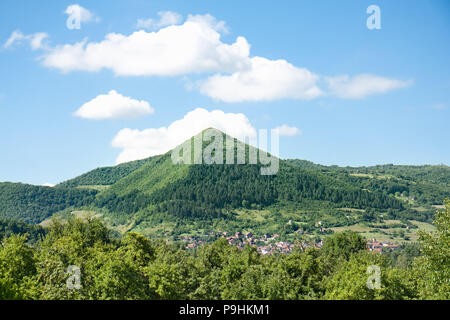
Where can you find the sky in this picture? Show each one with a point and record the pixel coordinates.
(87, 84)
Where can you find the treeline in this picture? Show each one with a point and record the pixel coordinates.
(34, 204)
(105, 175)
(136, 267)
(436, 174)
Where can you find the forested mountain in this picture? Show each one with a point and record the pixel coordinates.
(155, 195)
(231, 186)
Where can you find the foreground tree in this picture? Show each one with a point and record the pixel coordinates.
(367, 276)
(17, 269)
(339, 247)
(432, 270)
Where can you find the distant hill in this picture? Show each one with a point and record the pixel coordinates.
(428, 184)
(34, 204)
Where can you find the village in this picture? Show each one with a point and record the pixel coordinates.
(270, 244)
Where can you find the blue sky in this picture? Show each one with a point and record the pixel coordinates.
(354, 96)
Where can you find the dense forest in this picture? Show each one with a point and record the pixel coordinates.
(36, 203)
(136, 267)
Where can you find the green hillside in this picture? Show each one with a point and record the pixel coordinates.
(162, 198)
(105, 175)
(157, 197)
(33, 204)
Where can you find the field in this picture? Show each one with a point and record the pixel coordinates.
(390, 230)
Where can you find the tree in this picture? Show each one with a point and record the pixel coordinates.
(433, 268)
(339, 247)
(17, 269)
(295, 276)
(350, 281)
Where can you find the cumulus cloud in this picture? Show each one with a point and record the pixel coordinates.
(140, 144)
(77, 14)
(166, 18)
(114, 106)
(36, 40)
(264, 80)
(286, 130)
(193, 47)
(363, 85)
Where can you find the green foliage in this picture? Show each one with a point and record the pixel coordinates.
(403, 257)
(433, 268)
(136, 267)
(9, 227)
(340, 247)
(17, 268)
(349, 282)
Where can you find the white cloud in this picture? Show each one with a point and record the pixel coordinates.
(196, 47)
(114, 105)
(35, 40)
(144, 24)
(209, 20)
(193, 47)
(16, 36)
(264, 80)
(363, 85)
(48, 184)
(166, 18)
(77, 14)
(137, 144)
(285, 130)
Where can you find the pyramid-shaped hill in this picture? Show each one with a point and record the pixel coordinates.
(165, 195)
(162, 190)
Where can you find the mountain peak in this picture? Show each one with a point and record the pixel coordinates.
(212, 146)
